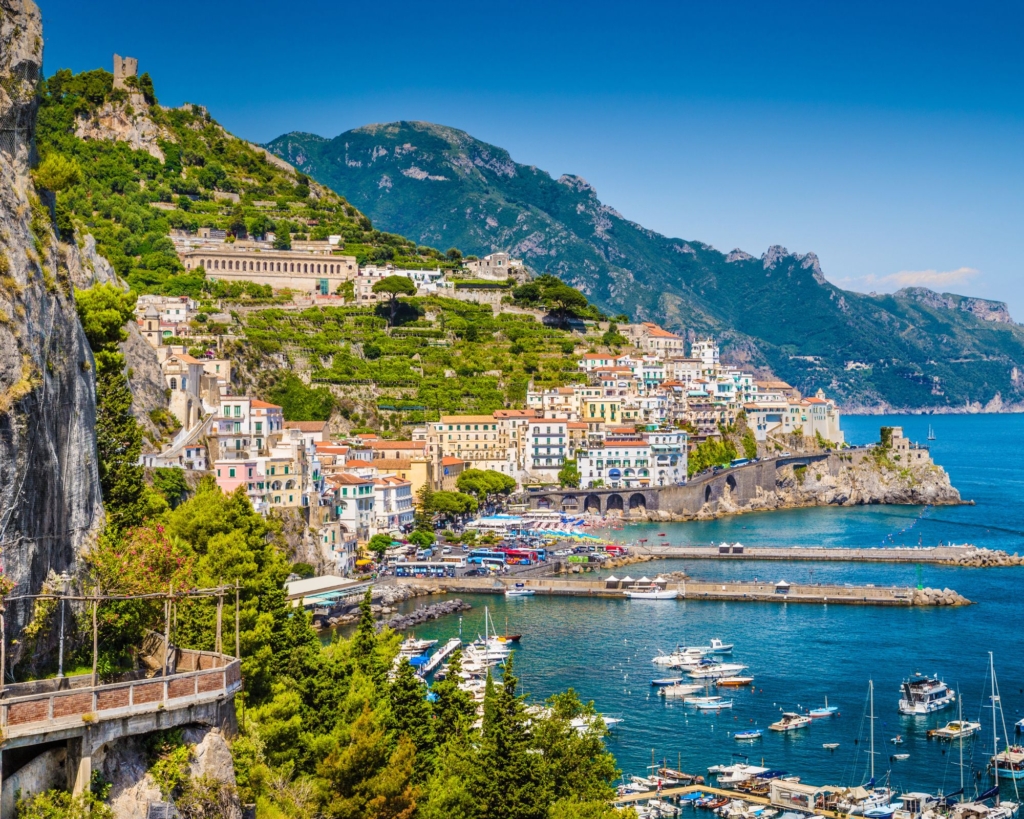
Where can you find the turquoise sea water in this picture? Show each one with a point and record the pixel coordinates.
(799, 654)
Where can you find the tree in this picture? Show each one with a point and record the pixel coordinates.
(347, 290)
(410, 716)
(57, 173)
(565, 300)
(422, 539)
(453, 254)
(379, 544)
(236, 225)
(282, 239)
(569, 474)
(257, 225)
(395, 286)
(104, 310)
(424, 517)
(482, 483)
(453, 504)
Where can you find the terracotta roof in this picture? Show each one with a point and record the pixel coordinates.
(330, 446)
(263, 405)
(450, 460)
(577, 425)
(186, 358)
(346, 478)
(391, 463)
(391, 480)
(595, 356)
(367, 436)
(399, 445)
(515, 413)
(657, 332)
(306, 426)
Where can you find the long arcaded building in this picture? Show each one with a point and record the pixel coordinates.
(313, 267)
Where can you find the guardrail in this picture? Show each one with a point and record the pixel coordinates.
(211, 677)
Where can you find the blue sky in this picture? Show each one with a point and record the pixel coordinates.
(885, 137)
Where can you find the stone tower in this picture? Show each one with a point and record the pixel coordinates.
(124, 67)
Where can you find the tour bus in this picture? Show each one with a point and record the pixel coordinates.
(479, 555)
(522, 557)
(425, 568)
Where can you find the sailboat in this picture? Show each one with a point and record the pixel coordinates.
(1007, 764)
(875, 803)
(827, 711)
(931, 433)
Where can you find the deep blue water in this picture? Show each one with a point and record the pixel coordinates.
(799, 654)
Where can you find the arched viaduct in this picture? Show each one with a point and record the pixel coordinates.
(740, 484)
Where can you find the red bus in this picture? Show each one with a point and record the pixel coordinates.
(522, 557)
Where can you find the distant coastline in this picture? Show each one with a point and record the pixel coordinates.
(972, 409)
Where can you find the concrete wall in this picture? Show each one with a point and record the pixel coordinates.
(43, 773)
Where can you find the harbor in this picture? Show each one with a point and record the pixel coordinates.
(943, 555)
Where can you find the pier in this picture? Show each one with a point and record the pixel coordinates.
(740, 591)
(670, 793)
(872, 554)
(439, 656)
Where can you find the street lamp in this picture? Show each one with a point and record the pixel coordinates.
(65, 585)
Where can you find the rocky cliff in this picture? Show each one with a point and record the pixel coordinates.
(50, 503)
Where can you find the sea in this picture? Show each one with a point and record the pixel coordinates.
(801, 654)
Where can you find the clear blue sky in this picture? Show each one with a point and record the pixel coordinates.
(887, 137)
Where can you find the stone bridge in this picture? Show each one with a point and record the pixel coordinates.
(740, 484)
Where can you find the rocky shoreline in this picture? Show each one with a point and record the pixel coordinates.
(939, 597)
(423, 614)
(985, 559)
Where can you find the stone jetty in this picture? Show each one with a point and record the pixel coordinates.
(939, 597)
(984, 559)
(423, 614)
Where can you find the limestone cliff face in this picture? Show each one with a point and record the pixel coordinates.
(50, 505)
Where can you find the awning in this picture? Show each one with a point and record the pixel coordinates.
(782, 583)
(628, 579)
(644, 579)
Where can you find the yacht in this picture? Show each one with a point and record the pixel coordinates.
(925, 695)
(411, 647)
(681, 656)
(955, 730)
(790, 722)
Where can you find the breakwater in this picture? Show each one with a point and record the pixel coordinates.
(942, 555)
(741, 591)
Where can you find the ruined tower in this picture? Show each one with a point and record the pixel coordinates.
(124, 67)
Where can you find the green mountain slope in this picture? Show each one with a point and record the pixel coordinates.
(915, 349)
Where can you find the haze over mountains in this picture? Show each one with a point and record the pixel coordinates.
(915, 349)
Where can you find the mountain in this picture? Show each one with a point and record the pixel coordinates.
(915, 349)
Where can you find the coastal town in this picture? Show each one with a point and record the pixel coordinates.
(303, 516)
(631, 423)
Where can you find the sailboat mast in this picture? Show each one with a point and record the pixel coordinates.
(871, 696)
(960, 715)
(995, 735)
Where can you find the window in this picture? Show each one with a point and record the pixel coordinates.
(259, 427)
(174, 383)
(238, 410)
(237, 426)
(218, 473)
(231, 473)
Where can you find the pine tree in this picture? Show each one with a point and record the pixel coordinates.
(118, 445)
(365, 643)
(454, 710)
(410, 716)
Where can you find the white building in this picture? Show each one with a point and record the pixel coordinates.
(616, 464)
(547, 447)
(393, 503)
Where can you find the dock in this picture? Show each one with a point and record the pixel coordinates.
(669, 793)
(872, 554)
(741, 591)
(440, 656)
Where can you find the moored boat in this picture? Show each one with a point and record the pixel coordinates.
(790, 721)
(651, 593)
(676, 691)
(708, 703)
(753, 733)
(734, 682)
(712, 670)
(519, 590)
(925, 695)
(821, 713)
(955, 730)
(662, 682)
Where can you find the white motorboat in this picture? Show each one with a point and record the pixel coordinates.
(718, 647)
(680, 657)
(678, 690)
(955, 730)
(790, 721)
(519, 590)
(594, 723)
(711, 671)
(651, 593)
(733, 774)
(411, 647)
(925, 695)
(708, 703)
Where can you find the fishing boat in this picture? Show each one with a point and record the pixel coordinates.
(708, 703)
(924, 695)
(790, 722)
(734, 682)
(821, 713)
(650, 593)
(955, 730)
(718, 647)
(520, 590)
(753, 733)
